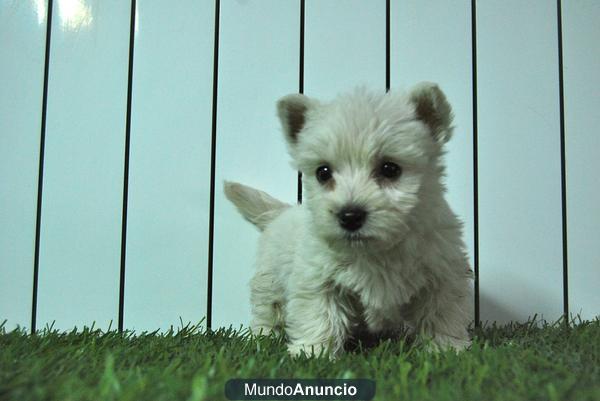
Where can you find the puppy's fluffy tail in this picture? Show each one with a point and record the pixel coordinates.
(256, 206)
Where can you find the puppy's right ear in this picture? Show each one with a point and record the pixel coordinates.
(292, 111)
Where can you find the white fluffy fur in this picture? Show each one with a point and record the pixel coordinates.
(405, 267)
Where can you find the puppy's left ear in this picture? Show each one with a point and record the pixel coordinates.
(433, 109)
(292, 111)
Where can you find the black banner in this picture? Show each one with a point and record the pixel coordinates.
(300, 389)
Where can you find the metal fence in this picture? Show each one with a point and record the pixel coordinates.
(119, 121)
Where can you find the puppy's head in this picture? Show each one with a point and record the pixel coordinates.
(367, 160)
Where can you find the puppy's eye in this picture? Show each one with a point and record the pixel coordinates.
(389, 170)
(323, 174)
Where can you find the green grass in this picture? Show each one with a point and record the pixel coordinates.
(515, 362)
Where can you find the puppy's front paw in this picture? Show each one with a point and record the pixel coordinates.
(442, 343)
(261, 330)
(309, 350)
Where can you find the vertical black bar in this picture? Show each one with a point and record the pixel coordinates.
(38, 219)
(213, 147)
(475, 161)
(387, 45)
(301, 79)
(299, 187)
(563, 173)
(126, 165)
(301, 66)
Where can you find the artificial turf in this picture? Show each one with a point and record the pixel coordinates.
(515, 362)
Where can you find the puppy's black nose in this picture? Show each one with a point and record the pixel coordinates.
(352, 218)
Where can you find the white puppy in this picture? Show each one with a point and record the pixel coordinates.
(374, 243)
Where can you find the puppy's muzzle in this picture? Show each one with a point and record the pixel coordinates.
(352, 218)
